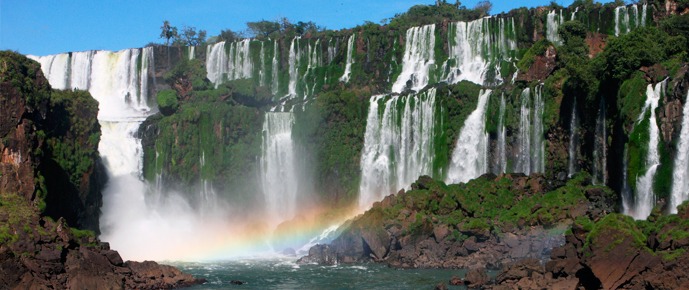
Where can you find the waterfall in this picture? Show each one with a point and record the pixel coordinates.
(276, 57)
(600, 158)
(228, 61)
(348, 65)
(553, 22)
(574, 14)
(537, 137)
(523, 163)
(475, 49)
(279, 177)
(470, 156)
(628, 18)
(398, 145)
(680, 180)
(573, 140)
(645, 198)
(293, 67)
(192, 51)
(419, 56)
(332, 49)
(530, 154)
(262, 61)
(501, 164)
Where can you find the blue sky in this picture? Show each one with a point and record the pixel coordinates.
(49, 27)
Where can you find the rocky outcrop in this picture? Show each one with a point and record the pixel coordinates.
(541, 68)
(458, 226)
(38, 253)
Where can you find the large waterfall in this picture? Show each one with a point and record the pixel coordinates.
(476, 47)
(419, 56)
(470, 156)
(680, 181)
(348, 64)
(644, 196)
(398, 145)
(628, 18)
(279, 177)
(530, 153)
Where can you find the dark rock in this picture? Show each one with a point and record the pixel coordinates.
(441, 286)
(319, 254)
(456, 281)
(237, 282)
(476, 278)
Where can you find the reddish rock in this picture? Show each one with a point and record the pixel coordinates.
(476, 278)
(541, 68)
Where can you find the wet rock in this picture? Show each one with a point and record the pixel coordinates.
(321, 255)
(476, 278)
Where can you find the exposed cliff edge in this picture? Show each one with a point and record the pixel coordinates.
(50, 170)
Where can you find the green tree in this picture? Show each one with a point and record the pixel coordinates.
(168, 32)
(190, 37)
(229, 36)
(484, 7)
(263, 28)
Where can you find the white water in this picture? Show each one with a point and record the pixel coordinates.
(419, 56)
(680, 178)
(573, 140)
(395, 155)
(274, 63)
(628, 18)
(470, 156)
(293, 67)
(278, 167)
(348, 64)
(530, 153)
(192, 52)
(600, 155)
(645, 197)
(475, 48)
(228, 61)
(553, 22)
(501, 164)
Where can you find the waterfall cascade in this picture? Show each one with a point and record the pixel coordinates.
(348, 64)
(278, 167)
(470, 156)
(600, 155)
(553, 22)
(628, 18)
(573, 141)
(680, 180)
(229, 63)
(398, 145)
(476, 48)
(419, 56)
(530, 153)
(501, 156)
(645, 198)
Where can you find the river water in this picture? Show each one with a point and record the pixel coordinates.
(284, 273)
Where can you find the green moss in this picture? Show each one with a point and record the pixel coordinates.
(167, 102)
(537, 49)
(618, 227)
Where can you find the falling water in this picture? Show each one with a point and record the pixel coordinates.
(645, 197)
(470, 156)
(192, 51)
(262, 61)
(501, 161)
(553, 22)
(628, 18)
(680, 181)
(475, 49)
(293, 67)
(600, 158)
(278, 169)
(398, 145)
(348, 65)
(573, 140)
(419, 56)
(523, 163)
(530, 154)
(276, 57)
(222, 65)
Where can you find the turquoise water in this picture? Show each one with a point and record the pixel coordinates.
(284, 273)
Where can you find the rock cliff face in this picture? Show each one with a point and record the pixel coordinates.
(49, 170)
